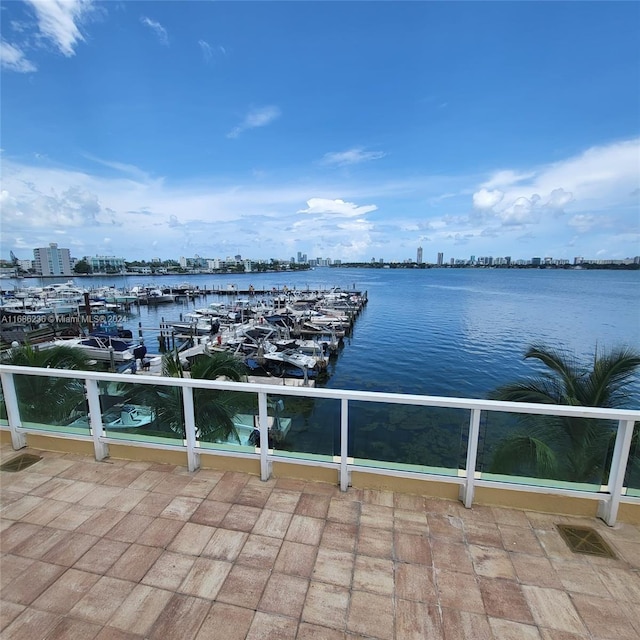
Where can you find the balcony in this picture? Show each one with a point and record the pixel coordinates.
(113, 536)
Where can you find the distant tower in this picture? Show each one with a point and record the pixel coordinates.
(419, 256)
(440, 258)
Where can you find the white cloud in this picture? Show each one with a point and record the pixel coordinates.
(320, 206)
(58, 21)
(599, 178)
(351, 156)
(157, 28)
(259, 117)
(582, 222)
(485, 199)
(12, 58)
(207, 51)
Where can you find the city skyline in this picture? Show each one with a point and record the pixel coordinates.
(221, 129)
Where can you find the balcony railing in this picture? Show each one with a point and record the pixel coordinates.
(461, 429)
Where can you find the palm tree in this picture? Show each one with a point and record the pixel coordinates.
(47, 399)
(565, 448)
(213, 410)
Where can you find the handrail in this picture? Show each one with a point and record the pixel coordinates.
(609, 499)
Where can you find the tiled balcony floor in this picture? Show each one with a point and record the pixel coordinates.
(121, 550)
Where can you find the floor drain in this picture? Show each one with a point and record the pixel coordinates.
(585, 540)
(20, 462)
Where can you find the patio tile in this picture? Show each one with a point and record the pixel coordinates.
(513, 517)
(160, 532)
(296, 559)
(491, 562)
(101, 556)
(378, 497)
(102, 600)
(535, 570)
(127, 499)
(198, 487)
(181, 618)
(129, 529)
(70, 629)
(191, 539)
(134, 563)
(210, 512)
(266, 626)
(305, 529)
(281, 500)
(101, 522)
(241, 518)
(579, 577)
(409, 502)
(371, 615)
(259, 552)
(284, 595)
(228, 488)
(504, 599)
(508, 630)
(30, 624)
(225, 545)
(11, 567)
(70, 549)
(140, 609)
(68, 589)
(40, 543)
(622, 584)
(169, 570)
(308, 631)
(205, 578)
(25, 588)
(519, 540)
(72, 518)
(445, 527)
(147, 480)
(243, 586)
(553, 609)
(254, 495)
(604, 618)
(16, 534)
(326, 605)
(152, 504)
(451, 556)
(459, 591)
(378, 516)
(340, 536)
(463, 625)
(417, 621)
(333, 566)
(410, 521)
(412, 582)
(375, 542)
(225, 622)
(484, 534)
(46, 511)
(412, 548)
(272, 523)
(343, 511)
(313, 505)
(181, 508)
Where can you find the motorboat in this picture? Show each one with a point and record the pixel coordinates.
(120, 416)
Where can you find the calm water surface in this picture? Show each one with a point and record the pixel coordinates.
(450, 332)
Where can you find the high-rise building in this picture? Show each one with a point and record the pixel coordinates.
(419, 256)
(51, 261)
(440, 258)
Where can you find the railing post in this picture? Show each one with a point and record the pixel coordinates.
(263, 423)
(467, 490)
(100, 449)
(193, 457)
(608, 509)
(345, 476)
(18, 440)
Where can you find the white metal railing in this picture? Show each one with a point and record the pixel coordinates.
(609, 496)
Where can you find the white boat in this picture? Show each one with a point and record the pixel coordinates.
(120, 416)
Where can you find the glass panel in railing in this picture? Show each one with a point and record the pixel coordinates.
(226, 420)
(408, 437)
(50, 403)
(632, 476)
(304, 428)
(142, 412)
(548, 451)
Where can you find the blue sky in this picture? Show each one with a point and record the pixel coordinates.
(348, 130)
